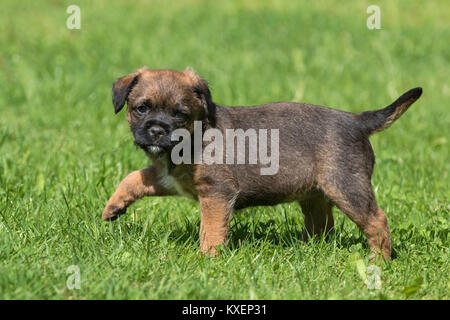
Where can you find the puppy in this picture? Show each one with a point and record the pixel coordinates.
(325, 157)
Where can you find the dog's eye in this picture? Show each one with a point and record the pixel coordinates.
(181, 113)
(141, 110)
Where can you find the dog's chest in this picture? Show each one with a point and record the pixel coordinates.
(180, 182)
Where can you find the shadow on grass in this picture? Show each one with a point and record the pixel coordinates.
(271, 233)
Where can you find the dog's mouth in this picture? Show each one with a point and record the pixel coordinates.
(155, 150)
(152, 149)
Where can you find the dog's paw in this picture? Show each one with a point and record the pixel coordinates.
(112, 212)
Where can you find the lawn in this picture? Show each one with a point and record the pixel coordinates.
(63, 151)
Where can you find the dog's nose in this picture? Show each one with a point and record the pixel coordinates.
(156, 131)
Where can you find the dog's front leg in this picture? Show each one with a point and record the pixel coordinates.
(216, 213)
(136, 185)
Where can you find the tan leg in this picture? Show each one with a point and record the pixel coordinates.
(215, 222)
(376, 229)
(318, 217)
(136, 185)
(350, 189)
(361, 207)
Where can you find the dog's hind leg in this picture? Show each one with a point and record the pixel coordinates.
(353, 195)
(318, 217)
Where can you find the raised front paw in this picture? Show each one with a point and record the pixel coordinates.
(112, 212)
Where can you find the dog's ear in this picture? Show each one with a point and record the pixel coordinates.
(121, 89)
(201, 89)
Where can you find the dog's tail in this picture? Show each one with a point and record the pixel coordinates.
(378, 120)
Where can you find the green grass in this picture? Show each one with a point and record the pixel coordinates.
(63, 151)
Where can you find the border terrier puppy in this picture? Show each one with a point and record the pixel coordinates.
(325, 157)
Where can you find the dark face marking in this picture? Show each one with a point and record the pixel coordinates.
(161, 101)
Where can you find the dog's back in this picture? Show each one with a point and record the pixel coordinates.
(315, 143)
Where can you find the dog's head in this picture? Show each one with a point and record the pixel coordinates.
(161, 101)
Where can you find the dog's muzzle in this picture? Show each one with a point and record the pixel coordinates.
(154, 139)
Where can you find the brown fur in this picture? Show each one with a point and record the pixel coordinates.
(325, 157)
(136, 185)
(216, 215)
